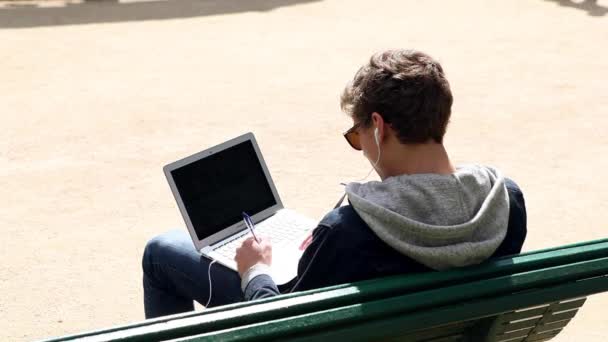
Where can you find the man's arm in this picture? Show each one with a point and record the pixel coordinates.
(256, 281)
(517, 230)
(253, 260)
(262, 286)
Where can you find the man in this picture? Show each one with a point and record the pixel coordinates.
(424, 215)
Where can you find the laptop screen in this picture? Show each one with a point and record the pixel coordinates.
(216, 189)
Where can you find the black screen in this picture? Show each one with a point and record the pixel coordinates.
(216, 189)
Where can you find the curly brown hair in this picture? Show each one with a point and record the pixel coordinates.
(408, 89)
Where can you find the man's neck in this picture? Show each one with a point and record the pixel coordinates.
(415, 159)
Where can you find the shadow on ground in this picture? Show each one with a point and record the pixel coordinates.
(22, 15)
(590, 6)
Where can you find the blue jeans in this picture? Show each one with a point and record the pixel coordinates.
(175, 274)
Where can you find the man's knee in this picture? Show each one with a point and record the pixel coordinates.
(159, 247)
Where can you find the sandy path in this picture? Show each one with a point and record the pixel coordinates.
(91, 111)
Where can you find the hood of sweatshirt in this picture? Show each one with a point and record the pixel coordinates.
(441, 221)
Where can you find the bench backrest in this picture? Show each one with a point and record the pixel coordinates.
(486, 302)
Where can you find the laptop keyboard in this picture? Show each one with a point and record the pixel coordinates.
(228, 249)
(281, 229)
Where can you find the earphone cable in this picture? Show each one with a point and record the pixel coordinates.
(210, 285)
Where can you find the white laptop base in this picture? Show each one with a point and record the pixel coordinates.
(286, 230)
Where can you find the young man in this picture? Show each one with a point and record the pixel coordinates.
(424, 215)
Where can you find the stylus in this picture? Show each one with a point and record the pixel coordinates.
(249, 224)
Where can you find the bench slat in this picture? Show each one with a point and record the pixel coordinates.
(324, 326)
(457, 329)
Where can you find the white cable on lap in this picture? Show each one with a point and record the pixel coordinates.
(210, 285)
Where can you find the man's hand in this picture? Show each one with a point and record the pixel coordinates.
(251, 253)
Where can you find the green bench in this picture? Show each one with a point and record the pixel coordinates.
(527, 297)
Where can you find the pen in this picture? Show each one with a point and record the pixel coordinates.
(249, 224)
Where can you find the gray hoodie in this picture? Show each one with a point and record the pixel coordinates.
(441, 221)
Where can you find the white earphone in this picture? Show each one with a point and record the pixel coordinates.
(377, 136)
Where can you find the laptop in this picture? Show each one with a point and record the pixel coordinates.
(214, 187)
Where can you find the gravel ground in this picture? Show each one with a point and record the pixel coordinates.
(97, 96)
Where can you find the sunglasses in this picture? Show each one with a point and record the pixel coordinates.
(352, 136)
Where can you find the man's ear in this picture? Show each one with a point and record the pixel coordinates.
(378, 123)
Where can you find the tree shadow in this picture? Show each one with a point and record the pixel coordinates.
(23, 15)
(591, 6)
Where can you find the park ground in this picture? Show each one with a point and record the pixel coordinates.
(97, 96)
